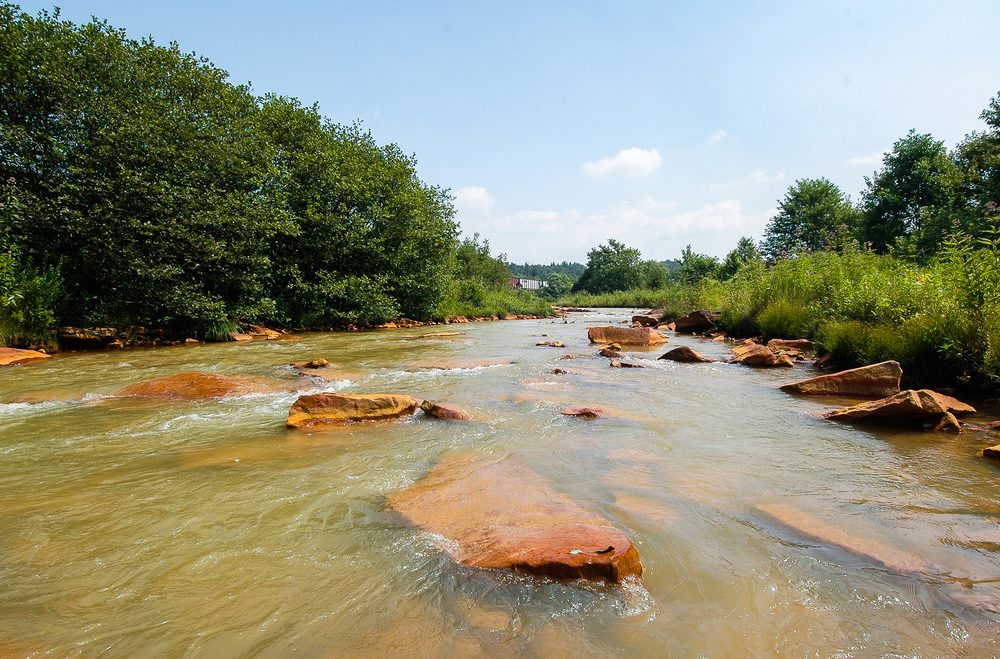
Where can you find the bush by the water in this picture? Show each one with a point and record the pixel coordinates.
(142, 187)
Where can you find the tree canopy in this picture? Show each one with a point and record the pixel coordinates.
(814, 215)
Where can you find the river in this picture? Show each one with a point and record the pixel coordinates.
(169, 528)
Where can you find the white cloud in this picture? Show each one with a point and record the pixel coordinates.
(659, 228)
(473, 202)
(761, 176)
(716, 137)
(634, 162)
(871, 159)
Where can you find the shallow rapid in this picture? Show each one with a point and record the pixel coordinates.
(173, 528)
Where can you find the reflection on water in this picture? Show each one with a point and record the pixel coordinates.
(206, 528)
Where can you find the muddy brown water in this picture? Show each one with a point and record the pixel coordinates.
(139, 528)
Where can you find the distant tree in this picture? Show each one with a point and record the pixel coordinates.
(611, 267)
(814, 215)
(695, 267)
(978, 159)
(746, 251)
(910, 201)
(559, 285)
(654, 274)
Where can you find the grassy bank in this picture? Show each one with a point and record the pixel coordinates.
(472, 299)
(940, 321)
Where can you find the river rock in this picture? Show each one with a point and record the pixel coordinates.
(686, 355)
(86, 338)
(906, 407)
(649, 319)
(443, 411)
(314, 410)
(641, 336)
(791, 345)
(875, 380)
(256, 333)
(194, 385)
(551, 344)
(617, 363)
(696, 322)
(993, 452)
(608, 352)
(897, 560)
(15, 356)
(498, 514)
(758, 356)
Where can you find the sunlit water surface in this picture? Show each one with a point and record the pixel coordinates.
(208, 529)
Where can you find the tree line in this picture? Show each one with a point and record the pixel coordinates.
(140, 186)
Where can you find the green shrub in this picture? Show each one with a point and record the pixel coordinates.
(786, 319)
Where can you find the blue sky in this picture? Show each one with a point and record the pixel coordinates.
(558, 125)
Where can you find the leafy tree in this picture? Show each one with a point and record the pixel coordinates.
(978, 159)
(611, 267)
(911, 199)
(814, 215)
(695, 267)
(745, 252)
(559, 284)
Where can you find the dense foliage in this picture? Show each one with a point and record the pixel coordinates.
(142, 187)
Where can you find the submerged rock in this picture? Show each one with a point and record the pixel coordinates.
(194, 385)
(642, 336)
(897, 560)
(15, 357)
(583, 412)
(551, 344)
(876, 380)
(443, 411)
(758, 356)
(617, 363)
(696, 322)
(686, 355)
(907, 407)
(314, 410)
(499, 514)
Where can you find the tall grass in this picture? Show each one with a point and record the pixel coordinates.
(940, 321)
(472, 300)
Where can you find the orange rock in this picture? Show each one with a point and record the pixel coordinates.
(758, 356)
(501, 515)
(993, 452)
(440, 411)
(648, 319)
(551, 344)
(13, 356)
(670, 327)
(314, 410)
(877, 380)
(894, 559)
(194, 385)
(696, 322)
(905, 407)
(616, 363)
(643, 336)
(583, 412)
(311, 365)
(791, 345)
(686, 355)
(257, 333)
(608, 352)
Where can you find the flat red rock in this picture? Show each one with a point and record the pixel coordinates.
(696, 322)
(314, 410)
(639, 336)
(758, 356)
(791, 345)
(444, 411)
(875, 380)
(501, 515)
(993, 452)
(14, 356)
(194, 385)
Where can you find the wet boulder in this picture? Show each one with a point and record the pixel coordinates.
(444, 411)
(498, 514)
(993, 453)
(641, 336)
(758, 356)
(649, 319)
(16, 357)
(256, 333)
(696, 322)
(908, 407)
(609, 352)
(617, 363)
(194, 385)
(686, 355)
(876, 380)
(313, 410)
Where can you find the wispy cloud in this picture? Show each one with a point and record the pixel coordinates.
(871, 159)
(634, 162)
(716, 137)
(473, 203)
(753, 177)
